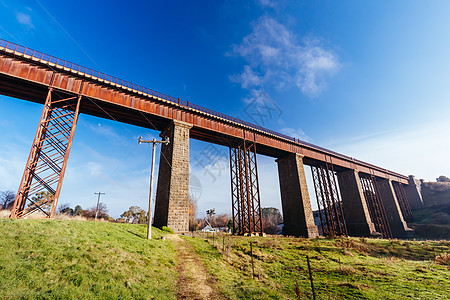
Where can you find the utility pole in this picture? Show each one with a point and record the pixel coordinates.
(98, 201)
(154, 142)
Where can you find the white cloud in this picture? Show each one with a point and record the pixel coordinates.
(248, 78)
(94, 168)
(419, 150)
(24, 19)
(106, 131)
(275, 58)
(268, 3)
(296, 133)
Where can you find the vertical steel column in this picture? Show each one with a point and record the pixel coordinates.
(43, 175)
(328, 200)
(403, 201)
(235, 191)
(375, 205)
(246, 204)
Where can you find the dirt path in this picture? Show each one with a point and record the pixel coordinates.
(194, 281)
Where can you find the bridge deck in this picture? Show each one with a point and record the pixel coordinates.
(27, 74)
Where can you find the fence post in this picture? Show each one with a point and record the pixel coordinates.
(310, 277)
(251, 255)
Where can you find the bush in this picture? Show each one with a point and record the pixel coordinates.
(167, 229)
(443, 259)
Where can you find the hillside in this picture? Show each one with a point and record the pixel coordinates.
(48, 259)
(433, 221)
(52, 259)
(343, 268)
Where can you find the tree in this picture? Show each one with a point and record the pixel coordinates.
(214, 220)
(102, 212)
(271, 218)
(443, 178)
(193, 224)
(221, 220)
(46, 197)
(78, 211)
(7, 199)
(65, 209)
(135, 214)
(143, 217)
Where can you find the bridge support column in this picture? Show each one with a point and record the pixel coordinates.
(44, 172)
(297, 212)
(356, 212)
(413, 193)
(398, 226)
(172, 193)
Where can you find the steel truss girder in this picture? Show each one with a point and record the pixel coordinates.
(44, 172)
(246, 202)
(375, 205)
(328, 200)
(403, 201)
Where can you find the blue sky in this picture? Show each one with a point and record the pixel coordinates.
(367, 79)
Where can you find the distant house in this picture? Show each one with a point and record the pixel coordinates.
(208, 228)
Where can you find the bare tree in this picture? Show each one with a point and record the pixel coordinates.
(7, 199)
(102, 212)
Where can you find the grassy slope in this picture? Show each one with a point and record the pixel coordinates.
(83, 260)
(343, 268)
(433, 221)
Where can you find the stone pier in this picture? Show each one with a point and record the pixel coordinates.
(297, 212)
(394, 215)
(172, 193)
(354, 205)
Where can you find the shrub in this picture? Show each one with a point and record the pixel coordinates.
(443, 259)
(167, 229)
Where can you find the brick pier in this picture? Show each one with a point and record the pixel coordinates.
(354, 205)
(172, 193)
(297, 212)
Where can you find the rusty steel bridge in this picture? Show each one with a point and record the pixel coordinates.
(354, 197)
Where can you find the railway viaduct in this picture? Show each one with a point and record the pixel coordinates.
(354, 197)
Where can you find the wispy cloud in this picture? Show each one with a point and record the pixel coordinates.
(24, 19)
(296, 133)
(275, 57)
(267, 3)
(106, 131)
(406, 150)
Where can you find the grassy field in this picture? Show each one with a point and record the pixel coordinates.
(64, 259)
(54, 259)
(342, 268)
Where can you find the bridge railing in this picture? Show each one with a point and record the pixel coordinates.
(64, 64)
(67, 65)
(90, 73)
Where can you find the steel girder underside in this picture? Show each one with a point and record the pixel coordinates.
(328, 200)
(375, 205)
(44, 172)
(246, 203)
(402, 201)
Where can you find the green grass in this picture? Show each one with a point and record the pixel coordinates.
(52, 259)
(58, 259)
(342, 268)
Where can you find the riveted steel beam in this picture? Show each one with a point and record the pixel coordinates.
(44, 172)
(246, 202)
